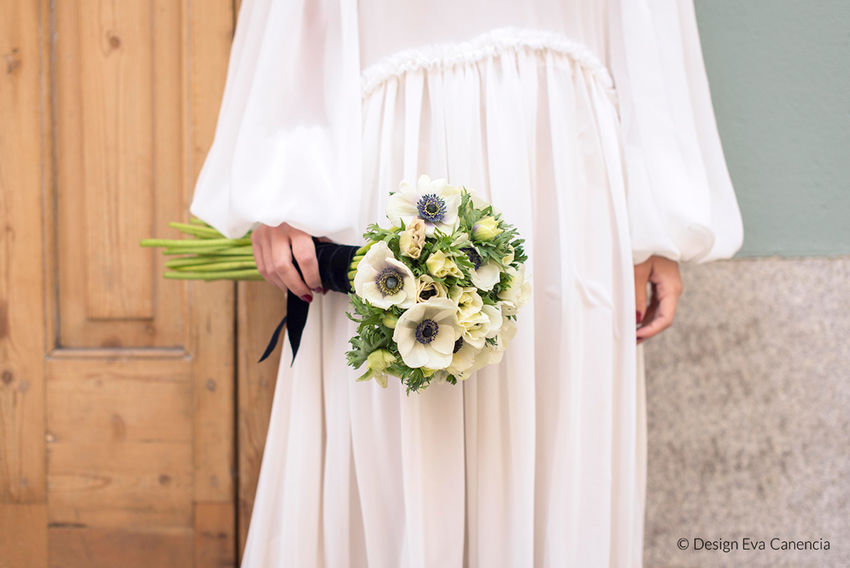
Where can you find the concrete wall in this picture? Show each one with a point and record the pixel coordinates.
(748, 395)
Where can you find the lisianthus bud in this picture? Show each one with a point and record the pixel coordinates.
(389, 320)
(412, 239)
(486, 229)
(440, 265)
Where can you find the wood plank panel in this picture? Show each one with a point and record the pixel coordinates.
(119, 148)
(110, 123)
(120, 443)
(260, 307)
(215, 535)
(22, 176)
(23, 535)
(92, 547)
(117, 144)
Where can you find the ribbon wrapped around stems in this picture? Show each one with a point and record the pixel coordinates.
(334, 261)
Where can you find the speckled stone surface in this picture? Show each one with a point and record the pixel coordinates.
(748, 401)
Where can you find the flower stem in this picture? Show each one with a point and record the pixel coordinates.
(206, 259)
(194, 243)
(216, 266)
(203, 232)
(247, 274)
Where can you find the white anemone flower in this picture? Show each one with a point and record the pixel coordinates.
(484, 275)
(384, 281)
(434, 201)
(426, 333)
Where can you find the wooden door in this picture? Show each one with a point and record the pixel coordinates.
(117, 387)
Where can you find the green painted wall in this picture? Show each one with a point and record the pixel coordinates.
(780, 81)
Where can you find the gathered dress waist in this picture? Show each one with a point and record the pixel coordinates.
(493, 44)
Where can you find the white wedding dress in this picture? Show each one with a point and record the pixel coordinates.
(590, 125)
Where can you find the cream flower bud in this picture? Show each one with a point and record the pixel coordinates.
(412, 239)
(440, 265)
(486, 229)
(467, 300)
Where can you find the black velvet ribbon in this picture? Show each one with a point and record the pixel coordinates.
(334, 262)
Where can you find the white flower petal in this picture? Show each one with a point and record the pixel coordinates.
(486, 276)
(494, 314)
(418, 356)
(462, 360)
(439, 361)
(365, 273)
(399, 207)
(404, 341)
(445, 341)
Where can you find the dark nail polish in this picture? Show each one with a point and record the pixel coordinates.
(639, 316)
(307, 298)
(317, 290)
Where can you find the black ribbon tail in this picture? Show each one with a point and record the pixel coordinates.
(273, 341)
(334, 261)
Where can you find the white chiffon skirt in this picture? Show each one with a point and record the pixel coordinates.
(537, 461)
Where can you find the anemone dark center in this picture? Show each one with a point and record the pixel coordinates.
(389, 281)
(426, 331)
(458, 345)
(473, 257)
(431, 208)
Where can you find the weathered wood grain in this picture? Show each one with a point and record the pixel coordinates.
(22, 176)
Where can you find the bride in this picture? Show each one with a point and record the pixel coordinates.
(589, 123)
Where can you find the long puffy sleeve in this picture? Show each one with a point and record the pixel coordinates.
(287, 140)
(680, 197)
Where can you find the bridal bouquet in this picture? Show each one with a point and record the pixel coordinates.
(436, 294)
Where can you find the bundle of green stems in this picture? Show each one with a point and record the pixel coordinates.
(212, 256)
(209, 255)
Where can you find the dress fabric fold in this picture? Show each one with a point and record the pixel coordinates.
(539, 460)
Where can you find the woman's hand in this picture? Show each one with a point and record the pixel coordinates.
(274, 249)
(663, 274)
